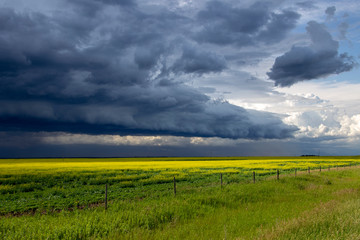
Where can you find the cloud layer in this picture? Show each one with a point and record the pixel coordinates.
(109, 67)
(317, 60)
(223, 24)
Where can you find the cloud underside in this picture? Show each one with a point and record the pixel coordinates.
(207, 119)
(110, 68)
(320, 59)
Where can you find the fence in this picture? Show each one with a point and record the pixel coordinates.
(253, 177)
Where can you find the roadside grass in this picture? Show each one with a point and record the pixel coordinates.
(330, 220)
(320, 205)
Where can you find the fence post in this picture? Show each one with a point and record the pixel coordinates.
(337, 167)
(309, 170)
(320, 168)
(174, 186)
(295, 172)
(221, 179)
(277, 174)
(106, 191)
(253, 176)
(329, 168)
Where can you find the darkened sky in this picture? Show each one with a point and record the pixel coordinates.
(182, 72)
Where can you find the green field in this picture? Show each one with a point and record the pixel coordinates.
(64, 198)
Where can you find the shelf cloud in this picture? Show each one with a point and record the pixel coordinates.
(109, 67)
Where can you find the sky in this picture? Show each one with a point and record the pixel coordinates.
(106, 78)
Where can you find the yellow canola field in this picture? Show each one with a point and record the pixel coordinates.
(191, 164)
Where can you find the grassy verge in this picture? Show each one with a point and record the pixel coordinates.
(316, 206)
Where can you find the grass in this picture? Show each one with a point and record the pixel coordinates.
(142, 206)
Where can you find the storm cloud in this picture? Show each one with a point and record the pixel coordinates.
(330, 12)
(317, 60)
(223, 24)
(306, 5)
(109, 67)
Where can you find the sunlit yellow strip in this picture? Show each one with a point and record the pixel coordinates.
(148, 165)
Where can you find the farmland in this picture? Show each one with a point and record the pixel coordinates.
(64, 198)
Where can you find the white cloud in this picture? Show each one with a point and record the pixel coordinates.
(68, 139)
(321, 109)
(344, 95)
(350, 125)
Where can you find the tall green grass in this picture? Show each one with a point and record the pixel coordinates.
(311, 206)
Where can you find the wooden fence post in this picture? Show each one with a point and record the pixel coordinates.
(174, 186)
(277, 174)
(254, 177)
(320, 169)
(329, 168)
(295, 172)
(106, 193)
(309, 170)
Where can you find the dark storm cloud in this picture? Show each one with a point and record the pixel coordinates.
(330, 12)
(91, 7)
(195, 61)
(82, 73)
(320, 59)
(259, 148)
(223, 24)
(278, 26)
(306, 5)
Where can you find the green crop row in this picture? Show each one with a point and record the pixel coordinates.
(28, 186)
(321, 205)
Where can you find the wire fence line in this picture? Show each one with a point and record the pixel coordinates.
(79, 195)
(288, 173)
